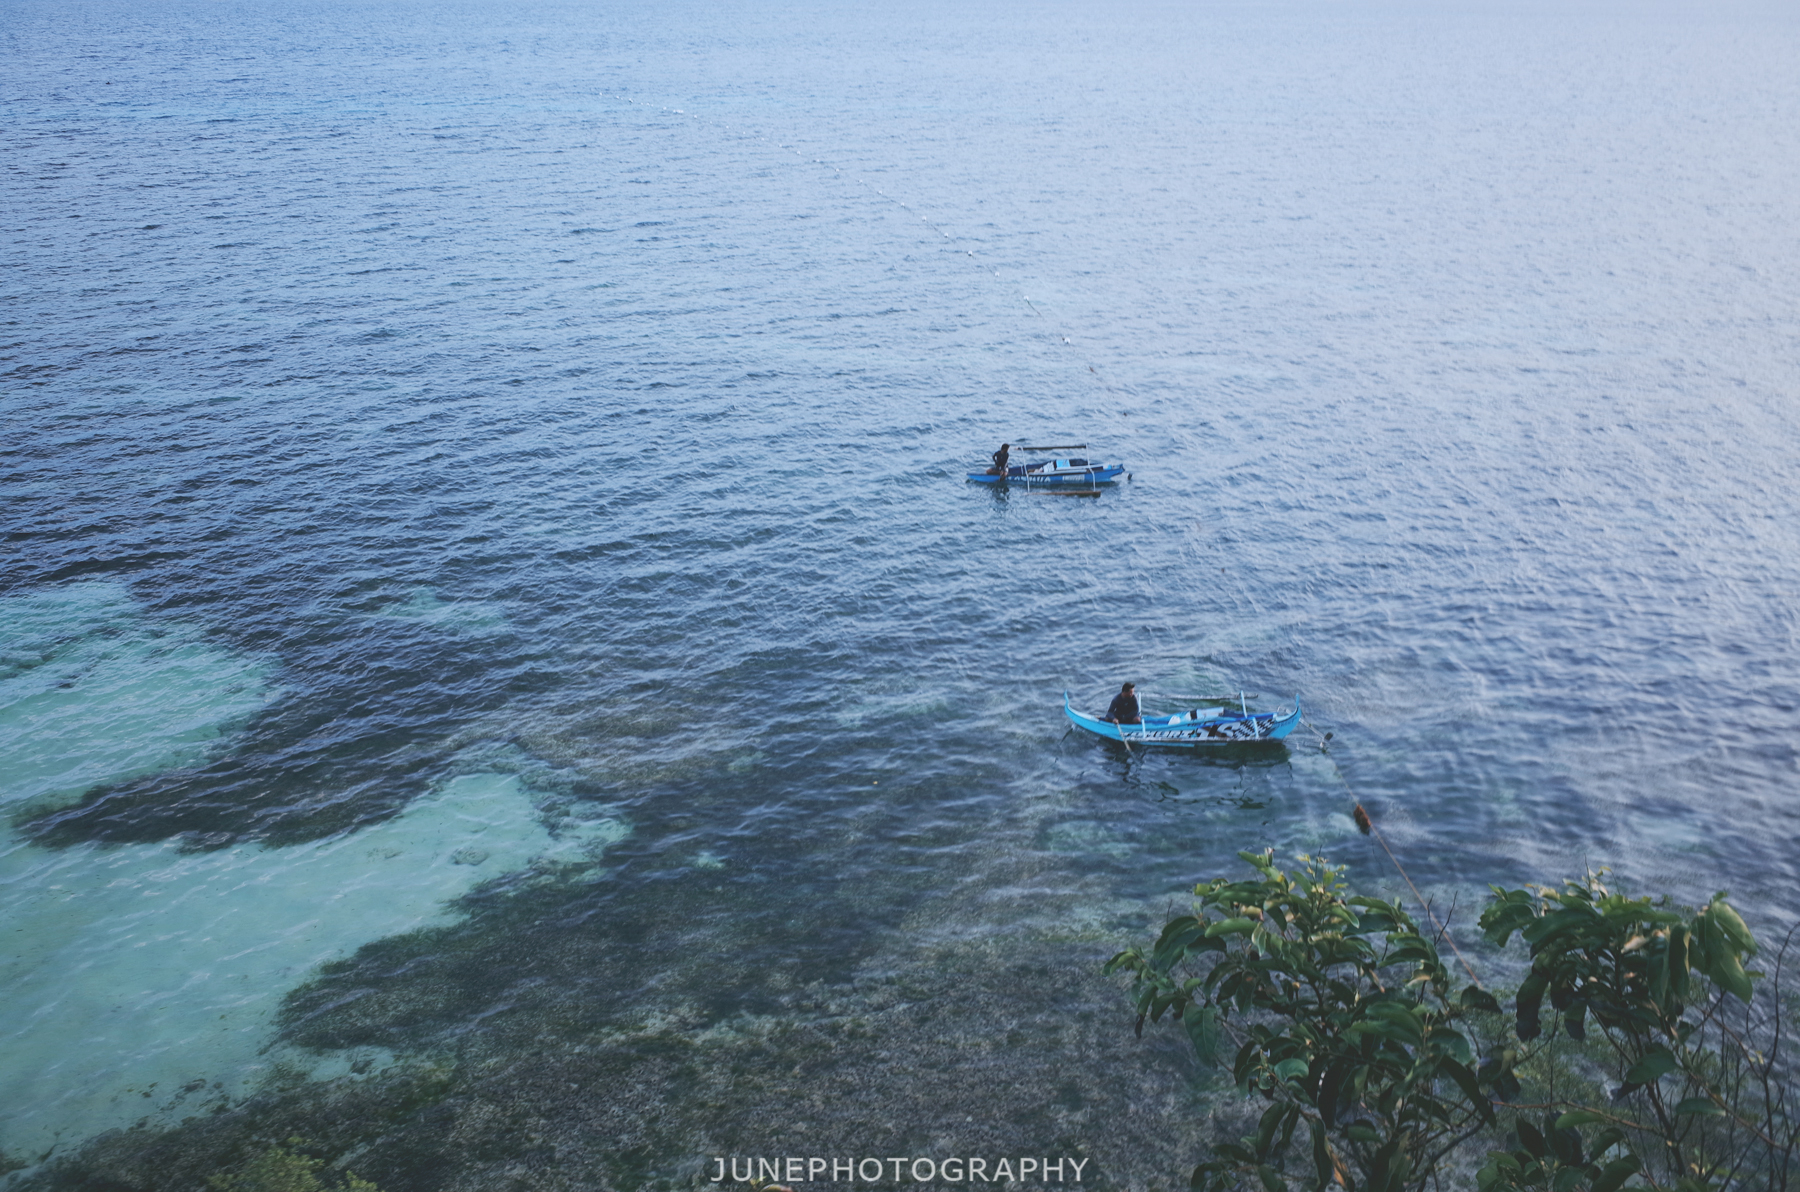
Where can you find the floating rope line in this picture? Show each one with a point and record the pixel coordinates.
(1061, 335)
(1366, 826)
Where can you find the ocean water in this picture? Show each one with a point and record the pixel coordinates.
(503, 674)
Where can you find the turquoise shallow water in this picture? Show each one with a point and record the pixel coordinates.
(558, 413)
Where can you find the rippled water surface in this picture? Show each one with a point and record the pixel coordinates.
(501, 667)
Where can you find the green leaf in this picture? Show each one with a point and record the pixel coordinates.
(1245, 1064)
(1231, 927)
(1411, 948)
(1266, 1128)
(1400, 1020)
(1728, 971)
(1389, 1170)
(1202, 1026)
(1616, 1173)
(1510, 911)
(1465, 1080)
(1699, 1107)
(1529, 998)
(1476, 998)
(1331, 1089)
(1670, 975)
(1564, 1144)
(1177, 937)
(1159, 1004)
(1180, 930)
(1575, 1021)
(1291, 1069)
(1605, 1140)
(1287, 1130)
(1451, 1043)
(1235, 1152)
(1569, 1179)
(1579, 1117)
(1732, 924)
(1270, 1181)
(1375, 923)
(1123, 960)
(1402, 1033)
(1657, 1063)
(1321, 1156)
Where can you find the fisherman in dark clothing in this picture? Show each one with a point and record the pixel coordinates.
(1000, 458)
(1124, 706)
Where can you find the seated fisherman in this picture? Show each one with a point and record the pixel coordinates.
(1124, 706)
(1000, 458)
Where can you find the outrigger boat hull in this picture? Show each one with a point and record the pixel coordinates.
(1199, 727)
(1053, 472)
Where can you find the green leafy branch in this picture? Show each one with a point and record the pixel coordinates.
(1702, 1096)
(1380, 1075)
(1347, 1025)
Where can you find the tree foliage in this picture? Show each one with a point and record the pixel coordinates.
(1701, 1093)
(1381, 1073)
(1348, 1027)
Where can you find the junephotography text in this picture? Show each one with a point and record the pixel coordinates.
(954, 1170)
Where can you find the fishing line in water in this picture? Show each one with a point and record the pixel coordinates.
(1366, 825)
(1059, 331)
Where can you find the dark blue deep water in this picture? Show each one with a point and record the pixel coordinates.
(497, 652)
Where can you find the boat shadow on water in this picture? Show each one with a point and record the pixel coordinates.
(1188, 775)
(1236, 755)
(1002, 493)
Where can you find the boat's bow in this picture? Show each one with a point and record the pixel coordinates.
(1284, 723)
(1103, 728)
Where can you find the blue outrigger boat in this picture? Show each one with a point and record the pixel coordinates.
(1053, 471)
(1200, 726)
